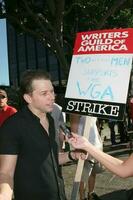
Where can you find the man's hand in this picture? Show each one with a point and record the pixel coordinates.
(76, 154)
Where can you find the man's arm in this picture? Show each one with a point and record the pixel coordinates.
(73, 155)
(7, 168)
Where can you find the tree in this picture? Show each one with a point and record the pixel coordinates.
(55, 22)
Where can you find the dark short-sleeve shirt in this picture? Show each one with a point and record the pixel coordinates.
(37, 171)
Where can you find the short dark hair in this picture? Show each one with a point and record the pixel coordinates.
(28, 77)
(3, 92)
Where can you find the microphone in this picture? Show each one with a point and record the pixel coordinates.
(65, 130)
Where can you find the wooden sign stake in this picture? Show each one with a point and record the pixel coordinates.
(80, 165)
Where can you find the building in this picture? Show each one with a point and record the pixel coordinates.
(25, 52)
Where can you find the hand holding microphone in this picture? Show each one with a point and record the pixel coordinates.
(65, 130)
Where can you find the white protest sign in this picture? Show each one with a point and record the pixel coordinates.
(100, 77)
(100, 73)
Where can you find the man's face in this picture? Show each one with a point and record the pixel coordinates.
(3, 99)
(42, 98)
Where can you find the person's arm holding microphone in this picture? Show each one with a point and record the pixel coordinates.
(121, 168)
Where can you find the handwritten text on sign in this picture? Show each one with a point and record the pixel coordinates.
(100, 77)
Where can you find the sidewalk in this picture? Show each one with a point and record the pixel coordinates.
(108, 186)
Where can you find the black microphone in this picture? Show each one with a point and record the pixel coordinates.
(65, 130)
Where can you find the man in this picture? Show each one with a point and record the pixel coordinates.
(5, 110)
(29, 159)
(59, 118)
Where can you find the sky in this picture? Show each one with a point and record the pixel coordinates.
(4, 70)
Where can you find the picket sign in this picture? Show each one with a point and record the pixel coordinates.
(80, 165)
(102, 62)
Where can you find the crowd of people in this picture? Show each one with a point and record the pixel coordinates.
(31, 145)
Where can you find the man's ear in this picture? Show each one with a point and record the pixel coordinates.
(27, 98)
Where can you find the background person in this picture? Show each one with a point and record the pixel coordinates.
(121, 128)
(59, 118)
(5, 110)
(89, 172)
(130, 112)
(112, 124)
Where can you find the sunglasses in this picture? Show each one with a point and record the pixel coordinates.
(2, 97)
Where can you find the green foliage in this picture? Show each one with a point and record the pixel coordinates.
(123, 19)
(55, 22)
